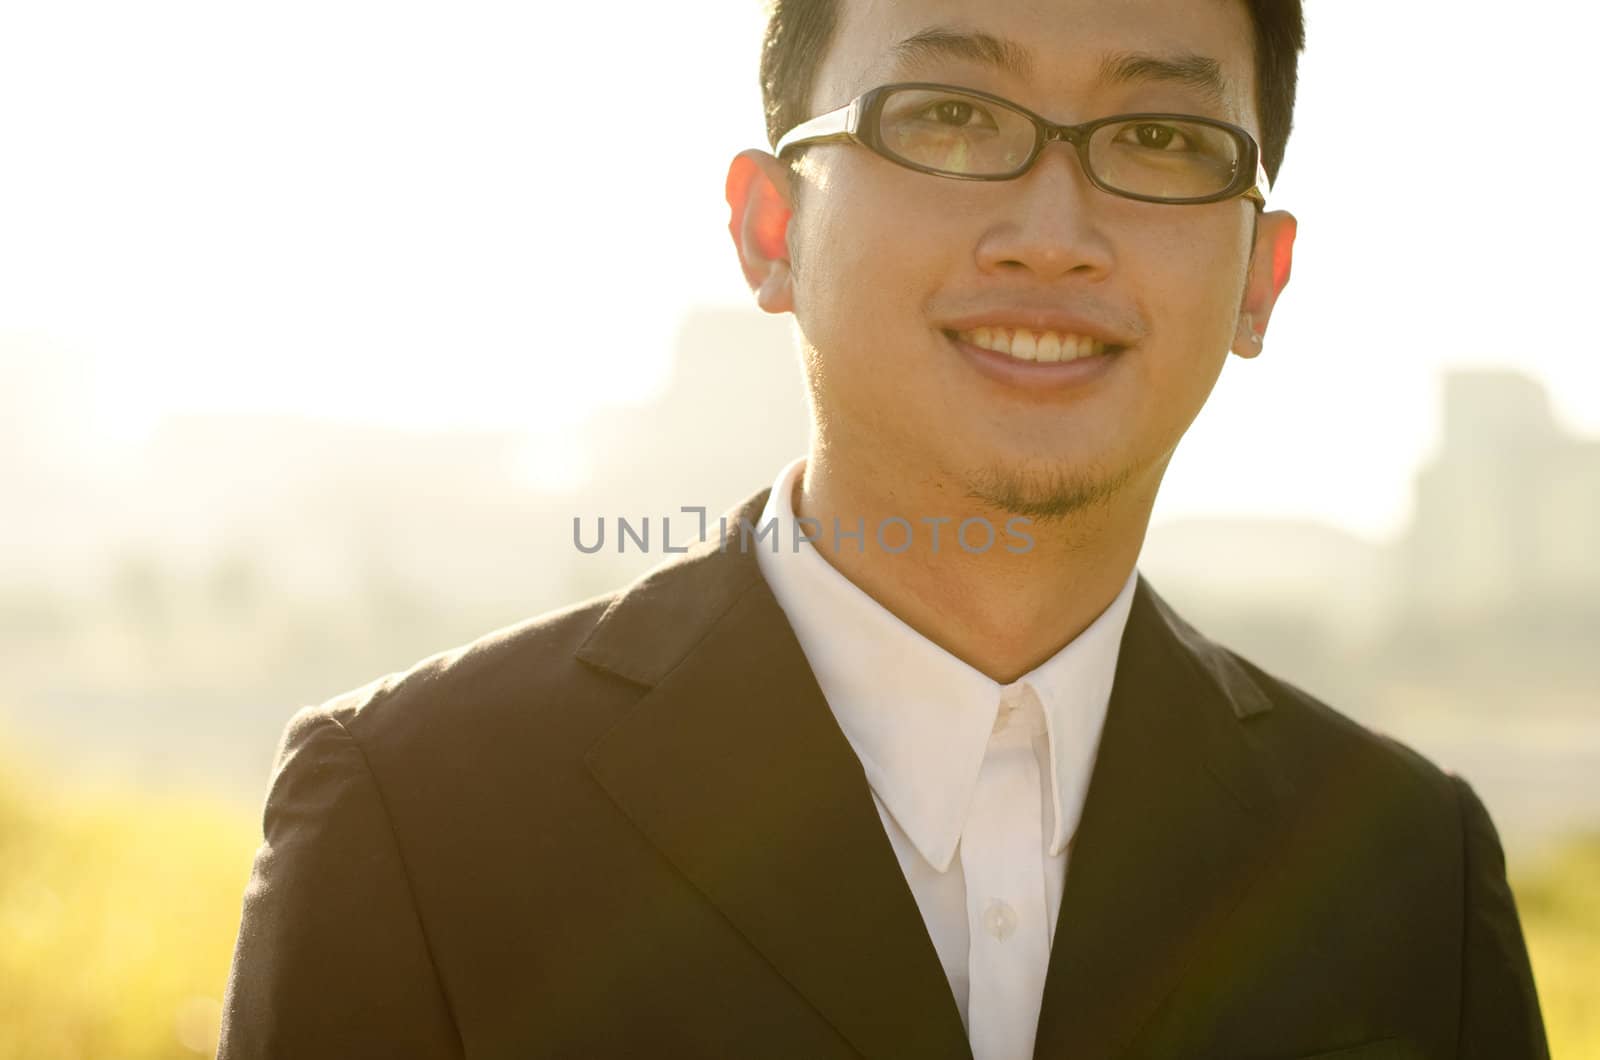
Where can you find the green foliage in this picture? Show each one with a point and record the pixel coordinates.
(1560, 907)
(118, 911)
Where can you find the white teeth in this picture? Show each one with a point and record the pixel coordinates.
(1023, 346)
(1026, 345)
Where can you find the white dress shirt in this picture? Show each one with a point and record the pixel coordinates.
(956, 762)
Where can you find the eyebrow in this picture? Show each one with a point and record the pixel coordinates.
(938, 42)
(1198, 72)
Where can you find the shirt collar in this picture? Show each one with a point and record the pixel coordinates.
(919, 718)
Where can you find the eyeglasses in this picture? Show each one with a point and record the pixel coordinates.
(1180, 159)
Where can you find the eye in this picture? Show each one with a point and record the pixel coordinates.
(958, 113)
(1156, 136)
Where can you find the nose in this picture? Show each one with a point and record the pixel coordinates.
(1049, 225)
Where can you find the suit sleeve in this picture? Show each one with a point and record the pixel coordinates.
(1499, 1007)
(331, 959)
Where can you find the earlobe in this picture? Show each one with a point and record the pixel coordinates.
(1246, 338)
(775, 295)
(1270, 263)
(757, 193)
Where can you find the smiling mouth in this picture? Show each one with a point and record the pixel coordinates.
(1026, 344)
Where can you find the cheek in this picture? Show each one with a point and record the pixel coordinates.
(869, 262)
(1190, 288)
(1196, 286)
(871, 265)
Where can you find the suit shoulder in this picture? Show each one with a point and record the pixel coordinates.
(1313, 738)
(507, 670)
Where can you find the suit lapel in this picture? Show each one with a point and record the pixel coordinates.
(1180, 813)
(733, 766)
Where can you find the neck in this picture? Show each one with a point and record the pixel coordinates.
(1002, 610)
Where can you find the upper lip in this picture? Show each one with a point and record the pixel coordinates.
(1039, 320)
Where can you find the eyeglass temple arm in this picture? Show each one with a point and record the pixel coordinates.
(835, 125)
(1262, 185)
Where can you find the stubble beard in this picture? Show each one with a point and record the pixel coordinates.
(1046, 495)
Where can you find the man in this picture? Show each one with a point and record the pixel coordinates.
(860, 790)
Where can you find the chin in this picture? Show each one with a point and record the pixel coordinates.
(1028, 483)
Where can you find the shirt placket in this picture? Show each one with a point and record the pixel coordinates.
(1002, 858)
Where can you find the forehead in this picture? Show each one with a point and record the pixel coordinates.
(1064, 53)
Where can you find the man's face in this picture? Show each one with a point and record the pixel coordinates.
(889, 263)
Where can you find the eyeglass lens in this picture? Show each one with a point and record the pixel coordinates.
(970, 136)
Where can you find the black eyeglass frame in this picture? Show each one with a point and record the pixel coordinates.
(857, 122)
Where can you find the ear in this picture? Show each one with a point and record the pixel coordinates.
(1269, 274)
(758, 196)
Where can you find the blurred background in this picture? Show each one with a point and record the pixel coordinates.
(320, 323)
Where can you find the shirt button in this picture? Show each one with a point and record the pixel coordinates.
(1000, 920)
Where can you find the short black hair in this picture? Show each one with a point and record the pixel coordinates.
(799, 31)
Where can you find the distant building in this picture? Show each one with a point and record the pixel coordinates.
(1507, 513)
(1214, 566)
(732, 413)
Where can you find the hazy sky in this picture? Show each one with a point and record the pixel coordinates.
(495, 215)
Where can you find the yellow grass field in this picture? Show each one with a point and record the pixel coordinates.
(118, 911)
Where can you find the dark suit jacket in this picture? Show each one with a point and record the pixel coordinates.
(632, 827)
